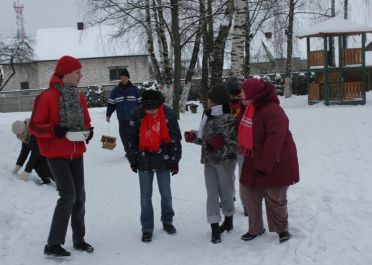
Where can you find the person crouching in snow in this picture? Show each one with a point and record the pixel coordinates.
(58, 110)
(29, 145)
(219, 144)
(270, 159)
(154, 147)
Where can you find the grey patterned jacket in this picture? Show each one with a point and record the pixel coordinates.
(224, 125)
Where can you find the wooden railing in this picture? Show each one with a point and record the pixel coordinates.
(316, 58)
(353, 90)
(314, 91)
(352, 56)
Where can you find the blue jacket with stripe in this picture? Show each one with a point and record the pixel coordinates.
(124, 99)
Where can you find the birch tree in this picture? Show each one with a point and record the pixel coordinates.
(238, 38)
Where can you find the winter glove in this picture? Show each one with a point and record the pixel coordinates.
(190, 136)
(215, 144)
(59, 131)
(134, 168)
(173, 168)
(259, 174)
(25, 175)
(16, 169)
(91, 133)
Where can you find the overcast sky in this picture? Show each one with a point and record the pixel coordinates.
(62, 13)
(39, 14)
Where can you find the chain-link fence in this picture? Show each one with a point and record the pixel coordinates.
(22, 100)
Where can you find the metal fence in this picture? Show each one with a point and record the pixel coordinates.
(22, 100)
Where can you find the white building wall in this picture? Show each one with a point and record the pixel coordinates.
(95, 71)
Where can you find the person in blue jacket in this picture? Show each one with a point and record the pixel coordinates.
(124, 98)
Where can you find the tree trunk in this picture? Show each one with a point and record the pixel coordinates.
(190, 71)
(332, 60)
(346, 9)
(164, 51)
(177, 55)
(184, 96)
(247, 58)
(160, 46)
(219, 45)
(150, 45)
(10, 76)
(238, 39)
(288, 68)
(207, 46)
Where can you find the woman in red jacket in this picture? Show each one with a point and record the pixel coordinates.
(270, 163)
(57, 111)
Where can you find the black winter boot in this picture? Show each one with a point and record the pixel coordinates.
(56, 251)
(216, 235)
(284, 236)
(227, 225)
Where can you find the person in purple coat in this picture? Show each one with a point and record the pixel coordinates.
(270, 159)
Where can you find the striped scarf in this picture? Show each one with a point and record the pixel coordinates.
(245, 132)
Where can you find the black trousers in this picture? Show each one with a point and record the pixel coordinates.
(69, 178)
(124, 133)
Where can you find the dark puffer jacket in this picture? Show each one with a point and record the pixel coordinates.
(169, 153)
(274, 151)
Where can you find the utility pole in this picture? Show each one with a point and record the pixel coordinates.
(18, 8)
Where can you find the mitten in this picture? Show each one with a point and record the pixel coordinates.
(16, 169)
(173, 168)
(91, 133)
(59, 131)
(134, 168)
(25, 175)
(215, 144)
(190, 136)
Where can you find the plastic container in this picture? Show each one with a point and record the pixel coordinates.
(77, 136)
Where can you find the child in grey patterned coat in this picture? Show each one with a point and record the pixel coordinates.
(218, 136)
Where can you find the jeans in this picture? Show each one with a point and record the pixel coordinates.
(147, 211)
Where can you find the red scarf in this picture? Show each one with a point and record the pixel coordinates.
(153, 131)
(245, 132)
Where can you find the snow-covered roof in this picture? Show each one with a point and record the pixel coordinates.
(334, 26)
(92, 42)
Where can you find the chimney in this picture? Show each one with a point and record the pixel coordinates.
(80, 25)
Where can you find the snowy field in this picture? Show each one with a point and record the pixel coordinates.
(330, 209)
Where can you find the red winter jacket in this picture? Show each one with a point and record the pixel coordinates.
(274, 151)
(45, 116)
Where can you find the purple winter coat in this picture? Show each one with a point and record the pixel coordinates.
(274, 151)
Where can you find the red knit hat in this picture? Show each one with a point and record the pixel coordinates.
(66, 65)
(252, 87)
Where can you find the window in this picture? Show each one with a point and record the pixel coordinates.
(25, 85)
(115, 73)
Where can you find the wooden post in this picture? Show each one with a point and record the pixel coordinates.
(340, 87)
(308, 68)
(364, 67)
(326, 82)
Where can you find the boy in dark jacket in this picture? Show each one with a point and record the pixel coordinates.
(29, 145)
(124, 98)
(154, 147)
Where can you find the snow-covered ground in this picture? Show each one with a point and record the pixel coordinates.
(330, 209)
